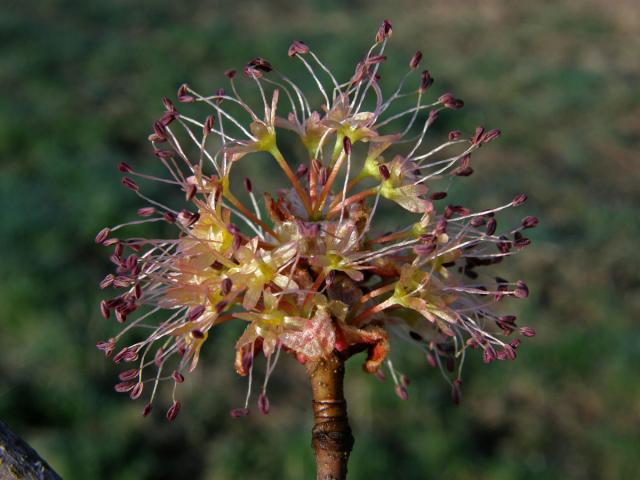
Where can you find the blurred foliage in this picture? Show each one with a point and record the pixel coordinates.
(81, 83)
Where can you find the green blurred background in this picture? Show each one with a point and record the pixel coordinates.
(81, 85)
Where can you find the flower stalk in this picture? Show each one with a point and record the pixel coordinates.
(331, 435)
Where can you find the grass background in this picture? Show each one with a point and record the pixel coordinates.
(81, 83)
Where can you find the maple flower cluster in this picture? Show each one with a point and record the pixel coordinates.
(306, 268)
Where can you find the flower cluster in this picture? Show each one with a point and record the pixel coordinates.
(306, 268)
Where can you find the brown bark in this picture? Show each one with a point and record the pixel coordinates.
(331, 435)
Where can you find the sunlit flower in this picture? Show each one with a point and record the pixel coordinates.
(306, 268)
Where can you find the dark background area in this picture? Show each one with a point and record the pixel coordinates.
(81, 83)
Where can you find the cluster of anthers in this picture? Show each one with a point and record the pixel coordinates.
(306, 268)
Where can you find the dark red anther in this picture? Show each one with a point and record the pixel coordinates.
(177, 377)
(441, 226)
(384, 172)
(107, 281)
(104, 310)
(123, 387)
(374, 59)
(527, 331)
(136, 392)
(225, 286)
(346, 145)
(490, 135)
(433, 116)
(230, 74)
(190, 192)
(477, 136)
(173, 411)
(491, 226)
(384, 31)
(438, 195)
(102, 235)
(260, 64)
(125, 167)
(521, 290)
(239, 412)
(248, 185)
(529, 222)
(263, 403)
(195, 333)
(431, 359)
(208, 125)
(158, 357)
(168, 117)
(456, 394)
(163, 154)
(519, 200)
(426, 80)
(128, 374)
(130, 184)
(402, 392)
(168, 104)
(454, 135)
(147, 409)
(195, 312)
(449, 101)
(297, 48)
(415, 60)
(302, 170)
